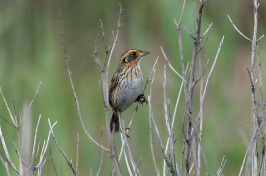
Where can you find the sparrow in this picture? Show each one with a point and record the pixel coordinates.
(126, 85)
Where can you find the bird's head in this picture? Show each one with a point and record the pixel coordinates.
(132, 57)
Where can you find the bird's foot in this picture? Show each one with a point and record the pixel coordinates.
(124, 131)
(141, 99)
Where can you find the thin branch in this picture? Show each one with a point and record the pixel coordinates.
(262, 109)
(77, 154)
(203, 153)
(42, 161)
(182, 13)
(202, 73)
(190, 90)
(101, 163)
(61, 150)
(220, 170)
(238, 30)
(134, 165)
(213, 65)
(17, 152)
(204, 43)
(8, 158)
(260, 38)
(194, 38)
(34, 141)
(262, 156)
(170, 65)
(8, 121)
(73, 88)
(5, 165)
(165, 101)
(104, 43)
(138, 163)
(10, 113)
(36, 93)
(52, 161)
(127, 163)
(168, 162)
(174, 116)
(243, 163)
(152, 150)
(207, 31)
(119, 24)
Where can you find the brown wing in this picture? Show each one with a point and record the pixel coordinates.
(113, 85)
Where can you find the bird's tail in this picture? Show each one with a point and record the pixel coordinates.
(114, 124)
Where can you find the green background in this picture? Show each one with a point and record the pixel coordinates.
(31, 51)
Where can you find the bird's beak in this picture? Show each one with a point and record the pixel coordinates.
(144, 53)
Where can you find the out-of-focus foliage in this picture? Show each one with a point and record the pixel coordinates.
(31, 51)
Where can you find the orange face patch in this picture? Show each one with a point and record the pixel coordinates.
(131, 57)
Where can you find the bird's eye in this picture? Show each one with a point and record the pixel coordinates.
(133, 53)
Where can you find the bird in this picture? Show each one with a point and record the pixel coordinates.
(126, 84)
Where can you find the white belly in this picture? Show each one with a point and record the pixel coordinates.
(130, 90)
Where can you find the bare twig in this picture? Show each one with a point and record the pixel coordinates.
(60, 149)
(190, 34)
(152, 150)
(77, 154)
(196, 134)
(127, 163)
(260, 38)
(253, 150)
(238, 30)
(213, 65)
(119, 25)
(36, 93)
(262, 110)
(5, 165)
(171, 65)
(243, 163)
(7, 107)
(7, 121)
(101, 163)
(42, 160)
(220, 170)
(52, 161)
(207, 31)
(151, 141)
(134, 165)
(34, 141)
(8, 158)
(135, 169)
(168, 162)
(73, 88)
(202, 72)
(104, 43)
(190, 142)
(19, 155)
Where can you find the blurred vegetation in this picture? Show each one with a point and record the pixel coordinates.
(31, 51)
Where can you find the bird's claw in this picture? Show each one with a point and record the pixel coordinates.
(141, 99)
(125, 132)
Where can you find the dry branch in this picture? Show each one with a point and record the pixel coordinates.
(61, 150)
(73, 88)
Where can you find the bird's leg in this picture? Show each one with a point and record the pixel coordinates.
(120, 124)
(141, 99)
